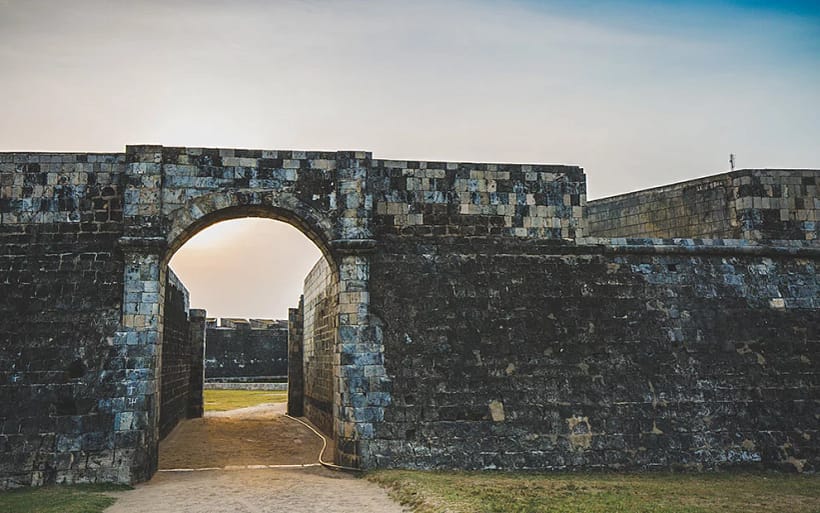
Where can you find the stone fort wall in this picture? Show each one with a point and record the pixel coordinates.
(466, 322)
(473, 199)
(61, 293)
(628, 352)
(526, 355)
(747, 204)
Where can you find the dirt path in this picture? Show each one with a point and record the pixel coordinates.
(251, 436)
(259, 435)
(255, 491)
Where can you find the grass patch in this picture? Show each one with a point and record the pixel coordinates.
(495, 492)
(59, 499)
(222, 400)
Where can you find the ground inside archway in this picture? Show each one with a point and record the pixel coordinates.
(259, 435)
(229, 443)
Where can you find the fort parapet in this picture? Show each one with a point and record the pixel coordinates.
(750, 204)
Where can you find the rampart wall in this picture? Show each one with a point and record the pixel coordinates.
(473, 199)
(61, 293)
(752, 204)
(296, 370)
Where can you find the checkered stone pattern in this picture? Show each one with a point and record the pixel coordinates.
(450, 198)
(193, 172)
(42, 188)
(778, 204)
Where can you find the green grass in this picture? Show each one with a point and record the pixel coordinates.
(59, 499)
(222, 400)
(495, 492)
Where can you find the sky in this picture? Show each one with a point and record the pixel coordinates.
(640, 93)
(246, 268)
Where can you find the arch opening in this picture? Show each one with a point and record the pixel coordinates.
(183, 228)
(306, 353)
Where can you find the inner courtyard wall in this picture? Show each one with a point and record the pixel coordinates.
(319, 345)
(178, 348)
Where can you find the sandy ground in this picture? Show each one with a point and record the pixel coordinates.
(260, 435)
(255, 491)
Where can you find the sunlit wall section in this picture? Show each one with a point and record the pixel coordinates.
(320, 308)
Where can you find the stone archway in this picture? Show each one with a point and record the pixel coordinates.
(175, 192)
(205, 210)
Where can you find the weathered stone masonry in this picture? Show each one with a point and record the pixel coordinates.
(296, 371)
(473, 325)
(182, 350)
(541, 355)
(747, 204)
(319, 336)
(61, 275)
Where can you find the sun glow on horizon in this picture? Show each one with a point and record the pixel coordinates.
(249, 267)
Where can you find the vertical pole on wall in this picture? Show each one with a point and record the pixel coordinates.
(140, 335)
(360, 382)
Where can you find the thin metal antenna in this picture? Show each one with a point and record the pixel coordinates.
(732, 161)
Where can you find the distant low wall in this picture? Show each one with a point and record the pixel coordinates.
(246, 386)
(241, 351)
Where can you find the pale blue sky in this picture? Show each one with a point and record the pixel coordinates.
(639, 93)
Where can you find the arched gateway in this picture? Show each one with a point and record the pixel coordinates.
(479, 317)
(172, 193)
